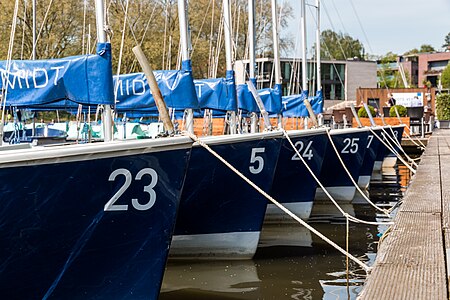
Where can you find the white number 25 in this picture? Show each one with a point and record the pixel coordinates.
(110, 206)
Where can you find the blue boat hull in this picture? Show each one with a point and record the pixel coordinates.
(385, 157)
(67, 234)
(351, 144)
(373, 145)
(293, 185)
(220, 214)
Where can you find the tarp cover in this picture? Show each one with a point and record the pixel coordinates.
(64, 82)
(177, 88)
(293, 105)
(217, 93)
(271, 98)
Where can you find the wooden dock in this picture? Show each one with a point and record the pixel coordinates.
(414, 257)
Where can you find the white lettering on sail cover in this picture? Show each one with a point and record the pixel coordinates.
(31, 78)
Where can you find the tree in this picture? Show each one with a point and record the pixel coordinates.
(447, 41)
(340, 46)
(423, 49)
(445, 77)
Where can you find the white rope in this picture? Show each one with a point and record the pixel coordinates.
(393, 151)
(351, 177)
(346, 215)
(397, 143)
(280, 206)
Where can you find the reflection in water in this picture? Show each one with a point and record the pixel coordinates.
(292, 263)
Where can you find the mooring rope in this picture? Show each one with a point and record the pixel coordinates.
(346, 215)
(279, 205)
(393, 151)
(397, 143)
(351, 177)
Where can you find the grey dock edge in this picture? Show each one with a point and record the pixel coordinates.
(413, 259)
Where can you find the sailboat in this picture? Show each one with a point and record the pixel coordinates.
(87, 220)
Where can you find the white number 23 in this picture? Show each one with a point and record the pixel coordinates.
(110, 206)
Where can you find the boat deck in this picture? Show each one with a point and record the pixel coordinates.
(413, 257)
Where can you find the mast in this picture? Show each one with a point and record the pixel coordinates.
(251, 38)
(251, 55)
(319, 72)
(101, 37)
(182, 16)
(276, 48)
(229, 53)
(33, 53)
(303, 29)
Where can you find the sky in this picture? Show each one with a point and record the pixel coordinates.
(384, 25)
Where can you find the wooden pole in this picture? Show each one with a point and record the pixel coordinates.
(311, 112)
(160, 104)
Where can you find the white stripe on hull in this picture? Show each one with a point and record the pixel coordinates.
(363, 181)
(389, 161)
(300, 209)
(339, 193)
(231, 245)
(377, 165)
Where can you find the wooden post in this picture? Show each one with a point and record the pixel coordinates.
(160, 104)
(311, 112)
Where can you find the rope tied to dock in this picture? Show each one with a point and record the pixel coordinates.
(393, 151)
(386, 212)
(397, 143)
(276, 203)
(346, 215)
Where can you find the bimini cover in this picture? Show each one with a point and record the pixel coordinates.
(59, 83)
(177, 88)
(293, 105)
(218, 94)
(271, 98)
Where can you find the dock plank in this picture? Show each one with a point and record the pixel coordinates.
(412, 260)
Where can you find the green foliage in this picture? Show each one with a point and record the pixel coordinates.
(447, 41)
(443, 106)
(402, 111)
(445, 77)
(69, 29)
(362, 113)
(340, 46)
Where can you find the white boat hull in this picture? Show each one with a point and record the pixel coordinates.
(363, 181)
(300, 209)
(339, 193)
(389, 161)
(231, 245)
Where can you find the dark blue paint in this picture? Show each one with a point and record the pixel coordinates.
(371, 153)
(383, 150)
(215, 199)
(293, 182)
(57, 242)
(333, 173)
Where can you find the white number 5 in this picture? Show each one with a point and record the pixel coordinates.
(256, 159)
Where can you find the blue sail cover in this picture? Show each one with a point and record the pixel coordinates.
(59, 83)
(177, 88)
(270, 97)
(293, 105)
(217, 93)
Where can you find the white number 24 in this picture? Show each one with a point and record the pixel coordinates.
(110, 206)
(307, 153)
